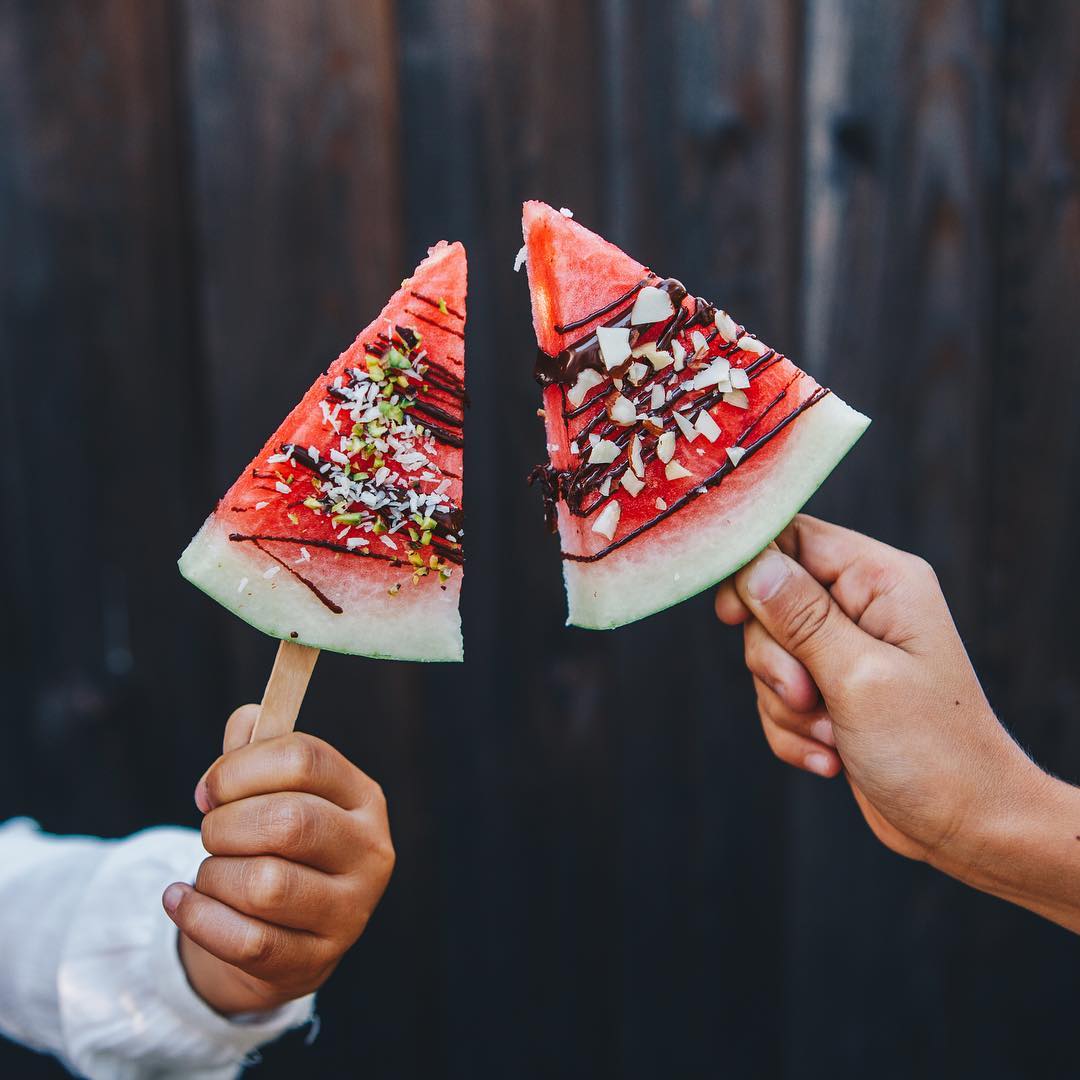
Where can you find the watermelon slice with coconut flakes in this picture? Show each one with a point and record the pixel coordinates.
(345, 531)
(680, 444)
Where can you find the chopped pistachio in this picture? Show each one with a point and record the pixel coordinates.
(425, 537)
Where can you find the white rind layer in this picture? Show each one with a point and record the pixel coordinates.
(669, 565)
(420, 623)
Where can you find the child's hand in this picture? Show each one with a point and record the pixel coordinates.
(300, 856)
(857, 664)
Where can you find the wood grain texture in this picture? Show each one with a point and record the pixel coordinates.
(98, 483)
(901, 181)
(601, 871)
(285, 689)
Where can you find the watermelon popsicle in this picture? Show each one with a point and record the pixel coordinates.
(345, 531)
(679, 443)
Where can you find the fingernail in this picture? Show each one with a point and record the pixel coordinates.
(769, 572)
(202, 796)
(172, 896)
(819, 763)
(823, 732)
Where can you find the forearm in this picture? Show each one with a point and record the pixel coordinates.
(1027, 850)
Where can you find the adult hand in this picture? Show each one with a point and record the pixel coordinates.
(858, 666)
(300, 856)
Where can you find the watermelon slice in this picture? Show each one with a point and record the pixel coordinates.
(679, 444)
(345, 532)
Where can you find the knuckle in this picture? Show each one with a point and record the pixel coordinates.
(750, 650)
(922, 569)
(205, 873)
(269, 885)
(215, 782)
(375, 794)
(291, 822)
(373, 839)
(865, 676)
(256, 946)
(806, 619)
(302, 756)
(384, 852)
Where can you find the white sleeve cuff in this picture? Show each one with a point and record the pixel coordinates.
(126, 1007)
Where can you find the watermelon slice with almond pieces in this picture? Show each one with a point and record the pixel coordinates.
(679, 443)
(345, 531)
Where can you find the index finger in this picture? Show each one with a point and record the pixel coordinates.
(293, 762)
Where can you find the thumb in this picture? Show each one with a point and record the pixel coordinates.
(801, 616)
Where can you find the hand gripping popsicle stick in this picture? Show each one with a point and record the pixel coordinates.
(285, 690)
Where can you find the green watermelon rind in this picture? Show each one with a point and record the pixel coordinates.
(852, 424)
(207, 571)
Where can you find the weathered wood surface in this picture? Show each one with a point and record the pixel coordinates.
(201, 200)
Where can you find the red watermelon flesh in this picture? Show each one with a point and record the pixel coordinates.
(345, 531)
(662, 509)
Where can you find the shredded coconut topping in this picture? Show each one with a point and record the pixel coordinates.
(380, 474)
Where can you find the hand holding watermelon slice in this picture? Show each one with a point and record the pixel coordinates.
(345, 531)
(858, 667)
(679, 444)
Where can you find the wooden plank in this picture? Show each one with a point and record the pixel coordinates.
(902, 167)
(112, 658)
(95, 339)
(1034, 586)
(1035, 589)
(702, 171)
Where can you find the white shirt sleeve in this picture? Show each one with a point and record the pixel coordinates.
(91, 971)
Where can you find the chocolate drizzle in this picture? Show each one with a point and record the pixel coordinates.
(568, 365)
(323, 598)
(619, 300)
(442, 306)
(579, 487)
(435, 412)
(709, 481)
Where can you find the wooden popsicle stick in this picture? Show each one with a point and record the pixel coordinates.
(285, 690)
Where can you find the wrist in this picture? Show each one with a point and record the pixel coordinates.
(1023, 845)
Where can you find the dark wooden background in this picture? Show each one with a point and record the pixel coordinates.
(200, 203)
